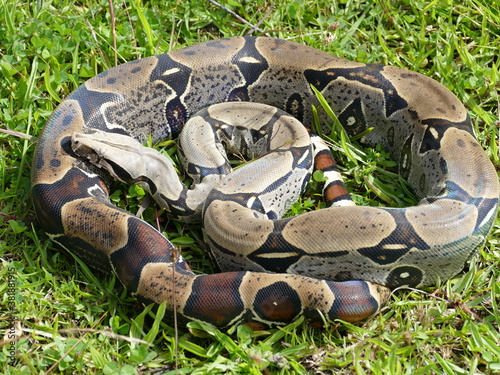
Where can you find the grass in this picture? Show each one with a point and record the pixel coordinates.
(66, 320)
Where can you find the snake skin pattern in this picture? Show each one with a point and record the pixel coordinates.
(338, 262)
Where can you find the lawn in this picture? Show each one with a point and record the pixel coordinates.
(66, 320)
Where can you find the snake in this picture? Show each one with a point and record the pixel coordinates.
(338, 262)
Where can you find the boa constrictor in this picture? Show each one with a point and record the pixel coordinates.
(340, 261)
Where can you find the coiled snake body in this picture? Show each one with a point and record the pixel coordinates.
(340, 261)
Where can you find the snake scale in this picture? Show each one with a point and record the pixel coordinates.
(337, 262)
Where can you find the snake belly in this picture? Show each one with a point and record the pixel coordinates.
(338, 261)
